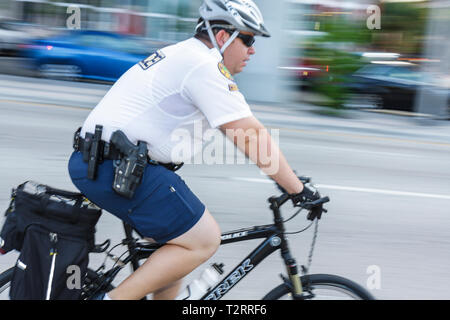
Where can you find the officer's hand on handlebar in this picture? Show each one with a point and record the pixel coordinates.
(306, 199)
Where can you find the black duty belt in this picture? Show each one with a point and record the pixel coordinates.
(109, 152)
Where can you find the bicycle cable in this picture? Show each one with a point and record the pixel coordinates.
(109, 255)
(293, 216)
(299, 231)
(311, 251)
(118, 261)
(305, 269)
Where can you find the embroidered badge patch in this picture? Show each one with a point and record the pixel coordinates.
(223, 70)
(152, 59)
(233, 87)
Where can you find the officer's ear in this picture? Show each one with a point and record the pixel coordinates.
(222, 37)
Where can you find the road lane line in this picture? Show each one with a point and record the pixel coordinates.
(345, 188)
(354, 150)
(360, 136)
(388, 192)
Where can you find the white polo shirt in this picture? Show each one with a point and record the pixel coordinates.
(174, 92)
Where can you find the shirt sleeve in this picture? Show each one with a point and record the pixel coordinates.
(212, 89)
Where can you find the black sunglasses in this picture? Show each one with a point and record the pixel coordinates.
(247, 39)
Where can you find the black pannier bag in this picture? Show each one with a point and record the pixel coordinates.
(54, 230)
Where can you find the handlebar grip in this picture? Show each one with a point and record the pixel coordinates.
(318, 202)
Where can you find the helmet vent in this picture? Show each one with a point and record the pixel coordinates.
(246, 16)
(220, 4)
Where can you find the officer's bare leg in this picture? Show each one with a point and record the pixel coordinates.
(173, 261)
(168, 292)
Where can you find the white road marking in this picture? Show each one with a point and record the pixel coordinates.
(355, 189)
(353, 150)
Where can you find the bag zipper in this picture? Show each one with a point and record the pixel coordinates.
(53, 253)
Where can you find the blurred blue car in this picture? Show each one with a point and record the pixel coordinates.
(94, 55)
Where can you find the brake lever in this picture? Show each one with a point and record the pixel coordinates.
(312, 204)
(304, 179)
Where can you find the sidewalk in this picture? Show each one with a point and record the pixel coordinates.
(368, 122)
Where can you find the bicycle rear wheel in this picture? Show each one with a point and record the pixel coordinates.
(322, 287)
(5, 279)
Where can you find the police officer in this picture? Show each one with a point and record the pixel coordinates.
(173, 89)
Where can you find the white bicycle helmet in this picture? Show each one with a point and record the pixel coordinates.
(242, 15)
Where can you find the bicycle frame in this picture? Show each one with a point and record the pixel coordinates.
(274, 239)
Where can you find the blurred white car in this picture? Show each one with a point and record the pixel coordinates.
(13, 34)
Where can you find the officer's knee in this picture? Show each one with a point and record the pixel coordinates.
(203, 239)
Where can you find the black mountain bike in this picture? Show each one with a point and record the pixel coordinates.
(295, 286)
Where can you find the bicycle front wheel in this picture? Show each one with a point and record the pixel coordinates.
(322, 287)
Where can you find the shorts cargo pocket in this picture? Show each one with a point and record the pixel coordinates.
(163, 212)
(180, 197)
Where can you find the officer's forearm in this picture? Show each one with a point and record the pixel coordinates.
(254, 140)
(262, 149)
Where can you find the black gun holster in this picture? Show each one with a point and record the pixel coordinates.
(129, 159)
(129, 169)
(92, 147)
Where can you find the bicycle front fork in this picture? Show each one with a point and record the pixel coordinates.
(294, 277)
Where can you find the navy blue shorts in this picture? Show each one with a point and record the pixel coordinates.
(163, 206)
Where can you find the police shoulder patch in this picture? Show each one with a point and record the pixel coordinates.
(233, 87)
(223, 70)
(152, 59)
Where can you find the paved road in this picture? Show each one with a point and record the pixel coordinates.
(387, 177)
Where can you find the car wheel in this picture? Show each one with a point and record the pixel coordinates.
(60, 71)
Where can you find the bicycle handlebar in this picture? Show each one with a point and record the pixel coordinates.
(318, 202)
(279, 201)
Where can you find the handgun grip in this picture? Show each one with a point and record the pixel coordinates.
(121, 142)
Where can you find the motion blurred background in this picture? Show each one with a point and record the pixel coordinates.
(359, 94)
(367, 54)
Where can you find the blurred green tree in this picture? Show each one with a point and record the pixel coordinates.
(402, 31)
(335, 55)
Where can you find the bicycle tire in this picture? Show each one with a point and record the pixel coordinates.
(6, 276)
(316, 282)
(5, 279)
